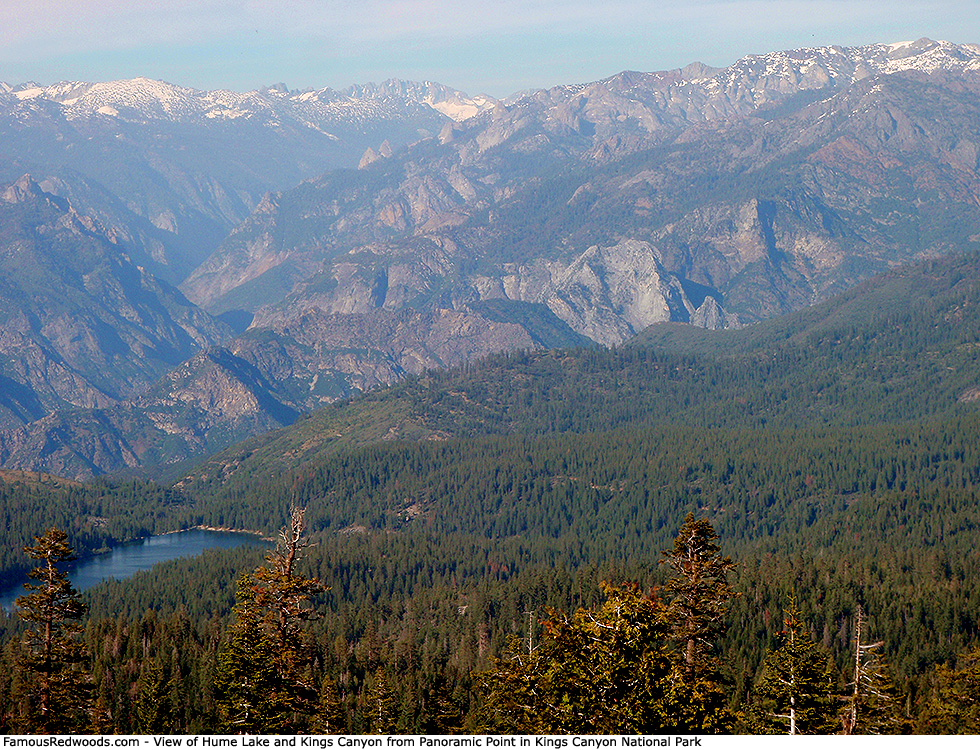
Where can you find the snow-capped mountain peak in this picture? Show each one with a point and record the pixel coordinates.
(699, 93)
(148, 99)
(849, 64)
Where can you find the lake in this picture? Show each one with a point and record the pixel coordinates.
(128, 559)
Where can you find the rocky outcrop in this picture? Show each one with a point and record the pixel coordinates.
(362, 350)
(759, 187)
(80, 324)
(610, 294)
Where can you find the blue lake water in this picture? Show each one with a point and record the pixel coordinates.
(128, 559)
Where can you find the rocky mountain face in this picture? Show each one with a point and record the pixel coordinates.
(105, 368)
(175, 169)
(461, 226)
(80, 324)
(716, 197)
(264, 380)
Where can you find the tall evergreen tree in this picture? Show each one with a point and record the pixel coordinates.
(264, 674)
(795, 692)
(285, 596)
(699, 597)
(57, 690)
(446, 716)
(380, 705)
(251, 694)
(329, 718)
(600, 671)
(154, 712)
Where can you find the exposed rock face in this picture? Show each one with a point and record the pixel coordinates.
(212, 400)
(610, 294)
(80, 325)
(605, 294)
(74, 443)
(178, 168)
(264, 380)
(717, 197)
(759, 187)
(25, 190)
(380, 346)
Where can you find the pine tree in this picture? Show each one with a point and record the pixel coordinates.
(380, 708)
(285, 596)
(329, 718)
(155, 709)
(699, 597)
(250, 690)
(795, 693)
(952, 705)
(264, 675)
(513, 701)
(446, 716)
(57, 690)
(600, 671)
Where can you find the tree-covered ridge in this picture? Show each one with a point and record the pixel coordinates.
(902, 347)
(611, 490)
(97, 515)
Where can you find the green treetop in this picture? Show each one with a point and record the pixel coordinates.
(598, 672)
(55, 690)
(699, 595)
(795, 693)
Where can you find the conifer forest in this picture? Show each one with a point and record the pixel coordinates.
(770, 530)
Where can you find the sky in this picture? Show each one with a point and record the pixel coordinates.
(497, 47)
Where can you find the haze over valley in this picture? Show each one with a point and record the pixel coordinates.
(322, 243)
(487, 374)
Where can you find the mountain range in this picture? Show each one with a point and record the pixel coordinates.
(326, 242)
(900, 349)
(173, 169)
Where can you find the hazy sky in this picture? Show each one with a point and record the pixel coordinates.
(492, 46)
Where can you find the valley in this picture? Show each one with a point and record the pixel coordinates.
(714, 197)
(502, 353)
(833, 451)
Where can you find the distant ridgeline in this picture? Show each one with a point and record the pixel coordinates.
(331, 242)
(834, 451)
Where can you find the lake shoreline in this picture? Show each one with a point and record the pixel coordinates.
(139, 555)
(223, 529)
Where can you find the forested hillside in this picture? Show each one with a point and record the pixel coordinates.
(834, 452)
(97, 515)
(903, 346)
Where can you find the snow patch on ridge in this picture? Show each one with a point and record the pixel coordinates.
(145, 99)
